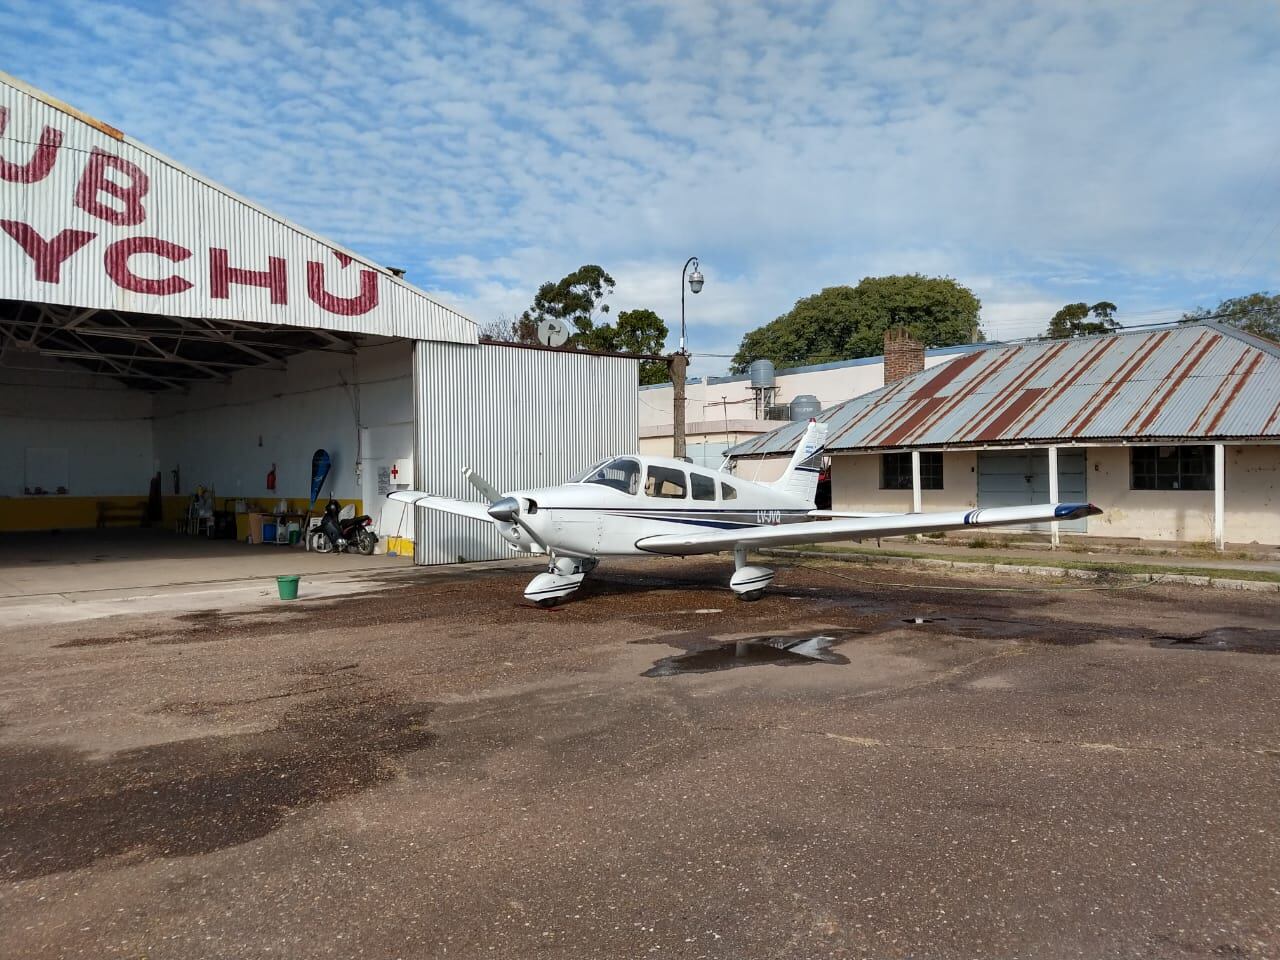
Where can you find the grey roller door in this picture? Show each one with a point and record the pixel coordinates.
(1017, 478)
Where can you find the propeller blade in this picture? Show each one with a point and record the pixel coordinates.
(480, 483)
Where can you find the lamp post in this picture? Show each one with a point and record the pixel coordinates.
(680, 362)
(695, 285)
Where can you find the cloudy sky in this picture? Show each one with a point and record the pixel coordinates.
(1040, 153)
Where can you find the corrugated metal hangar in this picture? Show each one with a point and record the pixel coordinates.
(1174, 432)
(159, 331)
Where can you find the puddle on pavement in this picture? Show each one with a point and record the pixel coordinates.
(1223, 639)
(753, 652)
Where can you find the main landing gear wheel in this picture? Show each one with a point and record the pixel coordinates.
(546, 603)
(748, 582)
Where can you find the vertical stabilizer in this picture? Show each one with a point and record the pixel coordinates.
(800, 479)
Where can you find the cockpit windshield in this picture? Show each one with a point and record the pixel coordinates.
(581, 475)
(621, 474)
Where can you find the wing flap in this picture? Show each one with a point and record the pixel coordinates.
(461, 508)
(859, 528)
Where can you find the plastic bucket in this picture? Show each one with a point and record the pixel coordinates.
(268, 533)
(294, 536)
(288, 587)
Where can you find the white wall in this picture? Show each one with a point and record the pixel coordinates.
(228, 436)
(104, 427)
(855, 485)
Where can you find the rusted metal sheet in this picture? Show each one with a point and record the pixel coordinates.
(91, 218)
(1197, 380)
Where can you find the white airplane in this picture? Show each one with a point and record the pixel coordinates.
(635, 506)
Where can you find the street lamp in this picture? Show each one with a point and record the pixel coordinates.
(695, 285)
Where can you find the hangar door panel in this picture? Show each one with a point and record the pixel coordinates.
(520, 418)
(1018, 478)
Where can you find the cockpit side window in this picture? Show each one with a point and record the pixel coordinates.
(727, 492)
(666, 483)
(703, 487)
(621, 474)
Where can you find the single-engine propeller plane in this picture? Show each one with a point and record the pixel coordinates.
(637, 505)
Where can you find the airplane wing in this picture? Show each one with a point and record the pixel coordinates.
(831, 514)
(463, 508)
(859, 528)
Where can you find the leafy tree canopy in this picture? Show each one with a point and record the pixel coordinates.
(637, 331)
(1258, 313)
(1073, 320)
(842, 323)
(576, 299)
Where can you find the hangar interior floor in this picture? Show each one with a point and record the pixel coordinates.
(86, 561)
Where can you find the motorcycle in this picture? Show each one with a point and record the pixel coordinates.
(341, 535)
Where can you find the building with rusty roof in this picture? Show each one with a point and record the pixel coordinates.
(1172, 431)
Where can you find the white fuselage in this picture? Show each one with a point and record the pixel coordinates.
(604, 515)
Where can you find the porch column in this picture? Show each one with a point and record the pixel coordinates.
(915, 481)
(1053, 494)
(1219, 495)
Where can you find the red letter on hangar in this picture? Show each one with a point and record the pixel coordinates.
(95, 182)
(47, 255)
(222, 275)
(117, 257)
(363, 302)
(41, 162)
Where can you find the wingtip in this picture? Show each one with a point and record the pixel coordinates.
(1074, 511)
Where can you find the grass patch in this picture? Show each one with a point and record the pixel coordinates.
(1216, 573)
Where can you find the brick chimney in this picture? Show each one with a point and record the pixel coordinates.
(903, 355)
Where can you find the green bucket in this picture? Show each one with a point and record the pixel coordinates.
(288, 587)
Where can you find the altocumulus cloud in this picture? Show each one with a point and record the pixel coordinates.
(1037, 152)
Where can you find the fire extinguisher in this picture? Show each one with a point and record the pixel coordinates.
(271, 478)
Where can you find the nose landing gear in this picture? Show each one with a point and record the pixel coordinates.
(564, 575)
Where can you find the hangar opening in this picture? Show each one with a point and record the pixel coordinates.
(172, 355)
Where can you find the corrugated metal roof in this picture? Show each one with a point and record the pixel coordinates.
(91, 218)
(1203, 380)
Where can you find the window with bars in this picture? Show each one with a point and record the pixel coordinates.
(895, 471)
(1171, 468)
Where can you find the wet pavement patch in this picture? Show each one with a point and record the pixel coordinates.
(62, 809)
(1225, 639)
(1054, 632)
(781, 651)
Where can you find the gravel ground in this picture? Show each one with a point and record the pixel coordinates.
(436, 769)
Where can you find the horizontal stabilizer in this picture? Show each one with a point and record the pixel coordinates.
(861, 528)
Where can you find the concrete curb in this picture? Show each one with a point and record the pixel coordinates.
(1029, 570)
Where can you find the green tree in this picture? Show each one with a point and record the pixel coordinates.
(1073, 320)
(842, 323)
(576, 299)
(1257, 313)
(637, 331)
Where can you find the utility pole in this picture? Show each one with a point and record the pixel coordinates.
(678, 364)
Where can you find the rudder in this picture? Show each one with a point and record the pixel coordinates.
(800, 479)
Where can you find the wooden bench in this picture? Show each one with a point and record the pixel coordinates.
(133, 514)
